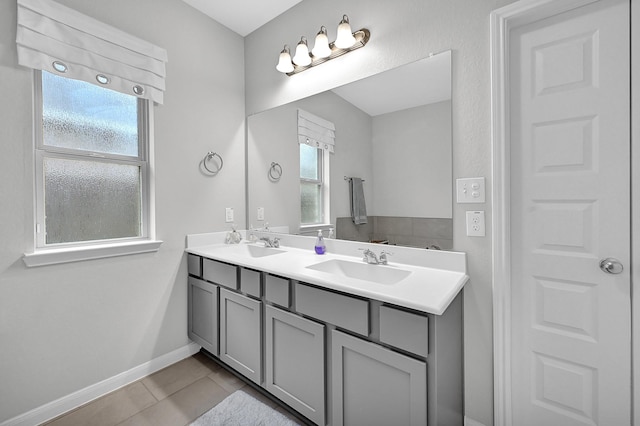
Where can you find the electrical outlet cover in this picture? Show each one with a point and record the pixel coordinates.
(475, 224)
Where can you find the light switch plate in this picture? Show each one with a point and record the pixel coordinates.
(470, 190)
(260, 215)
(228, 212)
(475, 224)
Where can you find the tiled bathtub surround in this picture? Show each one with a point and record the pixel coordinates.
(405, 231)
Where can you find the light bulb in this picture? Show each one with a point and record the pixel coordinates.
(284, 63)
(345, 38)
(302, 57)
(321, 46)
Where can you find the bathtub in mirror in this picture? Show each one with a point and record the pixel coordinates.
(393, 130)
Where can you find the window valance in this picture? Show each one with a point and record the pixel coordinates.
(58, 39)
(316, 131)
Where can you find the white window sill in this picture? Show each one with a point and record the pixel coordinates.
(75, 254)
(317, 226)
(313, 229)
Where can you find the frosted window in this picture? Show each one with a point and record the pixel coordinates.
(91, 200)
(309, 162)
(91, 161)
(79, 115)
(311, 203)
(311, 181)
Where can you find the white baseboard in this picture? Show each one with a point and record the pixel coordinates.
(470, 422)
(78, 398)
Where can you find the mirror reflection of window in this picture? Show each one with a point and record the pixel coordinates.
(311, 185)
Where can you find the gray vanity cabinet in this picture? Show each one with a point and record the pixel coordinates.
(203, 314)
(240, 334)
(294, 362)
(372, 385)
(336, 358)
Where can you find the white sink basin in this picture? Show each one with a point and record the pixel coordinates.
(379, 274)
(253, 250)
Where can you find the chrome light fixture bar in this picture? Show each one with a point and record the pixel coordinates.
(322, 51)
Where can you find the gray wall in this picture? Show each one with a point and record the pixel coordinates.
(412, 162)
(401, 32)
(65, 327)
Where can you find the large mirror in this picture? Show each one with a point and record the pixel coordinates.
(392, 132)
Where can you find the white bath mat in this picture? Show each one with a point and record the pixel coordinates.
(241, 409)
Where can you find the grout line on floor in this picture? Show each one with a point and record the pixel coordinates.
(147, 388)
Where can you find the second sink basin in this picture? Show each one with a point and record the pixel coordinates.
(379, 274)
(254, 250)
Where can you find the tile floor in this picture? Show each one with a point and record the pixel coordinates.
(174, 396)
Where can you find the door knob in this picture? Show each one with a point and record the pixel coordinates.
(611, 265)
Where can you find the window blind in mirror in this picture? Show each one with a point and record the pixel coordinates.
(316, 131)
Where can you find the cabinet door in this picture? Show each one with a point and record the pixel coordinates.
(203, 314)
(372, 385)
(294, 368)
(240, 326)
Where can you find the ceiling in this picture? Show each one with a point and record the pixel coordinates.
(242, 16)
(419, 83)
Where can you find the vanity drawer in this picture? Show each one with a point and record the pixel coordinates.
(404, 330)
(250, 282)
(340, 310)
(220, 273)
(194, 265)
(276, 290)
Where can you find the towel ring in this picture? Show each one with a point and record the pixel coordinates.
(275, 172)
(210, 155)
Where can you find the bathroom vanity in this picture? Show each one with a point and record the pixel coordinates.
(340, 341)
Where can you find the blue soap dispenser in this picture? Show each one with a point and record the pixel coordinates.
(320, 247)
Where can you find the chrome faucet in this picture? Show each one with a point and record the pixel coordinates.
(233, 236)
(371, 258)
(383, 257)
(268, 242)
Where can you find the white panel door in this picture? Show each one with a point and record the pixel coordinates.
(570, 208)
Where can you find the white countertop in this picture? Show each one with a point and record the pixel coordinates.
(427, 289)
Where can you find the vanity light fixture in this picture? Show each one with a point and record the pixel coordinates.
(284, 64)
(322, 51)
(321, 47)
(302, 57)
(345, 38)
